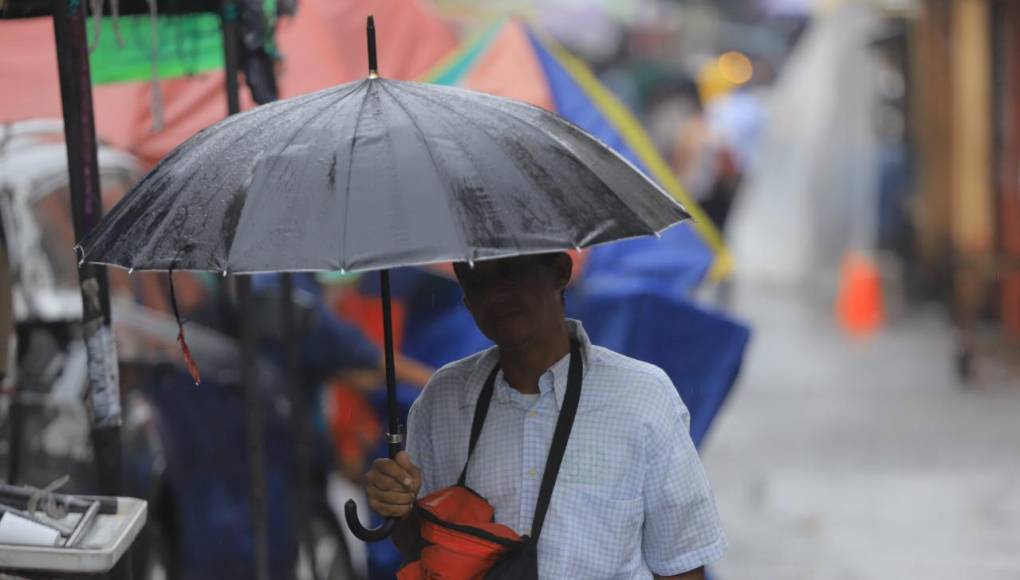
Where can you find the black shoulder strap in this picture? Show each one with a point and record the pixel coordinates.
(481, 410)
(564, 424)
(560, 438)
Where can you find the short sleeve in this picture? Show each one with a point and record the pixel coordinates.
(682, 530)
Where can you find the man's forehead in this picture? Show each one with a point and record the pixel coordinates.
(498, 264)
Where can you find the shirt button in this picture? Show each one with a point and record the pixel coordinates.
(532, 413)
(531, 472)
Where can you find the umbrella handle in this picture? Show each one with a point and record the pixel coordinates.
(361, 532)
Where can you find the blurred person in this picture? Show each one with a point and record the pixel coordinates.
(632, 499)
(731, 124)
(677, 120)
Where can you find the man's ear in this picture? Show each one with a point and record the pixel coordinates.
(563, 266)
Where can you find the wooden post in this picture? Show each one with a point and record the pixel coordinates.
(973, 227)
(1008, 121)
(931, 107)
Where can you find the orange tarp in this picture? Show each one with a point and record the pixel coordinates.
(509, 68)
(323, 45)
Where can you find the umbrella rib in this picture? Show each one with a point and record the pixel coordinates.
(179, 198)
(494, 140)
(457, 112)
(574, 128)
(442, 175)
(347, 184)
(293, 137)
(570, 150)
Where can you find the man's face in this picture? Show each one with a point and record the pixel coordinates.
(513, 299)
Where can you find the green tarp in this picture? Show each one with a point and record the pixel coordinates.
(187, 45)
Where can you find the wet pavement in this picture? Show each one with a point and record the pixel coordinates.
(842, 459)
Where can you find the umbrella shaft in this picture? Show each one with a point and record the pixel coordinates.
(391, 373)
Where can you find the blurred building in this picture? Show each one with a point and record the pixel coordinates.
(964, 71)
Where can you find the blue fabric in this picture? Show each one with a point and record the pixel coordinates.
(437, 328)
(667, 261)
(700, 350)
(330, 344)
(202, 433)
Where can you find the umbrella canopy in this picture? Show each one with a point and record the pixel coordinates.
(512, 59)
(376, 174)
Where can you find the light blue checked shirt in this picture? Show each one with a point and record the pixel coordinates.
(631, 497)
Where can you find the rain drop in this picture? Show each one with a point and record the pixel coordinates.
(224, 273)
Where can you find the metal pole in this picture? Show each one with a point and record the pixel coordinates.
(230, 15)
(103, 391)
(255, 442)
(300, 420)
(254, 435)
(394, 435)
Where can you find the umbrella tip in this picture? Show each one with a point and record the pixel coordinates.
(373, 66)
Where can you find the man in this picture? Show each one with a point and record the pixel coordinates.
(631, 499)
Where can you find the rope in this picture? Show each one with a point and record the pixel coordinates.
(188, 359)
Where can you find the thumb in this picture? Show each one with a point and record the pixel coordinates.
(403, 459)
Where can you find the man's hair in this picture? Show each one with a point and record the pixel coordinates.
(546, 259)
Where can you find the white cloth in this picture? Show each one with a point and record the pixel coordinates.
(631, 498)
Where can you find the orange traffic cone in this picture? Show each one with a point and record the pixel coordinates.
(859, 306)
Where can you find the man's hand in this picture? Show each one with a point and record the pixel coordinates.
(393, 485)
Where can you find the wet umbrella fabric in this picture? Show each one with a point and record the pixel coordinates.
(374, 174)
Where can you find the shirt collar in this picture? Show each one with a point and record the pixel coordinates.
(557, 374)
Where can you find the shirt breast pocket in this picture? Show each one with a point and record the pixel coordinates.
(598, 537)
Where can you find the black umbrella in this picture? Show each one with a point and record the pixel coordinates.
(377, 174)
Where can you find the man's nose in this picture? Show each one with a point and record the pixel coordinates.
(497, 293)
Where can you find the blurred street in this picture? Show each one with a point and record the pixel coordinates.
(838, 459)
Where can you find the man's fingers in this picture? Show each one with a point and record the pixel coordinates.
(395, 498)
(384, 482)
(393, 470)
(404, 460)
(389, 510)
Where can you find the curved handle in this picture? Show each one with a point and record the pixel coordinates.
(361, 532)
